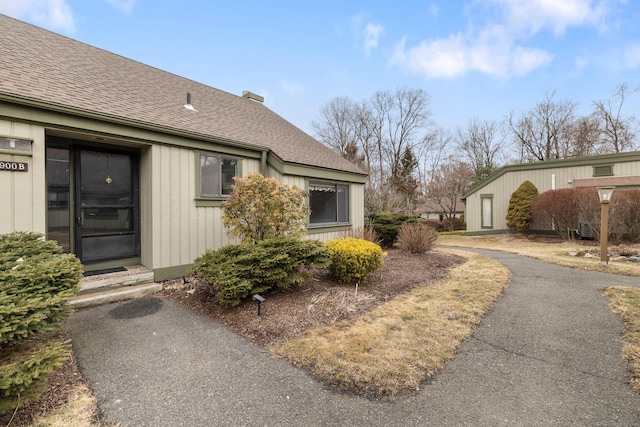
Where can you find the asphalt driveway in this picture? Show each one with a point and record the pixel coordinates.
(547, 354)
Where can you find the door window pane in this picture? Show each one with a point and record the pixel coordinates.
(58, 182)
(105, 179)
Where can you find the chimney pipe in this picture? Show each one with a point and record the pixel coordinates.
(188, 105)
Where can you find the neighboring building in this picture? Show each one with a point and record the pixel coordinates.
(126, 164)
(488, 201)
(430, 209)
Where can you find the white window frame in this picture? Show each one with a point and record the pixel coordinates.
(486, 211)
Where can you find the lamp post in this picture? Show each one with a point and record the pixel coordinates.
(604, 193)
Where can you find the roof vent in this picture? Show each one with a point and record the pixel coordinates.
(252, 96)
(188, 105)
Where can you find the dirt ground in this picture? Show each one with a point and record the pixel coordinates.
(283, 315)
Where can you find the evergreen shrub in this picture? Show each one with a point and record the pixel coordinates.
(387, 225)
(416, 238)
(519, 212)
(36, 280)
(354, 260)
(237, 271)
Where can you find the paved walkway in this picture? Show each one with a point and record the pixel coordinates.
(548, 354)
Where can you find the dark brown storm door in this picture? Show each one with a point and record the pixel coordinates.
(106, 205)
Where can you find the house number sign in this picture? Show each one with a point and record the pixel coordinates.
(13, 166)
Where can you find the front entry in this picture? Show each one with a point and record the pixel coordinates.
(97, 188)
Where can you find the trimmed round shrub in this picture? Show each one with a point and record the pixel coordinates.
(519, 212)
(354, 260)
(416, 238)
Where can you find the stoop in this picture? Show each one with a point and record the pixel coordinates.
(135, 282)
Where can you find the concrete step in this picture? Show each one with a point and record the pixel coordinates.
(108, 295)
(131, 277)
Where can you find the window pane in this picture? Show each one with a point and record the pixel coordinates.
(329, 203)
(486, 212)
(343, 203)
(323, 205)
(216, 175)
(209, 176)
(229, 170)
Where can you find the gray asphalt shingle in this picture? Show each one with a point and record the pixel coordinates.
(39, 65)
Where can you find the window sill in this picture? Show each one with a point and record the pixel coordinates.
(323, 228)
(216, 202)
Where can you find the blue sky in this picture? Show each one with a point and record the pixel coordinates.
(476, 58)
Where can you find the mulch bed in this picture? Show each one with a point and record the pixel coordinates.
(321, 301)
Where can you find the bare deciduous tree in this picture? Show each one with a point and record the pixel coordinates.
(544, 133)
(336, 128)
(449, 182)
(585, 137)
(618, 131)
(481, 142)
(389, 134)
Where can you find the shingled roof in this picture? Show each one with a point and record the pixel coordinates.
(39, 65)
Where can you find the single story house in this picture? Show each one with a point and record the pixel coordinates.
(125, 164)
(487, 202)
(431, 210)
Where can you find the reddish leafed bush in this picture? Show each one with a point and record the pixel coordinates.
(556, 210)
(562, 211)
(625, 215)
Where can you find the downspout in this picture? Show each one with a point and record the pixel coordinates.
(263, 163)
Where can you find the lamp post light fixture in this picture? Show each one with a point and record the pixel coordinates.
(604, 193)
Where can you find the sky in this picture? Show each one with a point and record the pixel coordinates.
(477, 59)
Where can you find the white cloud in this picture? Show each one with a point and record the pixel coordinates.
(369, 34)
(53, 14)
(434, 10)
(522, 61)
(531, 16)
(497, 47)
(489, 53)
(122, 5)
(372, 33)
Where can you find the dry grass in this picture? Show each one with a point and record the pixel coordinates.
(555, 253)
(391, 350)
(79, 412)
(626, 302)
